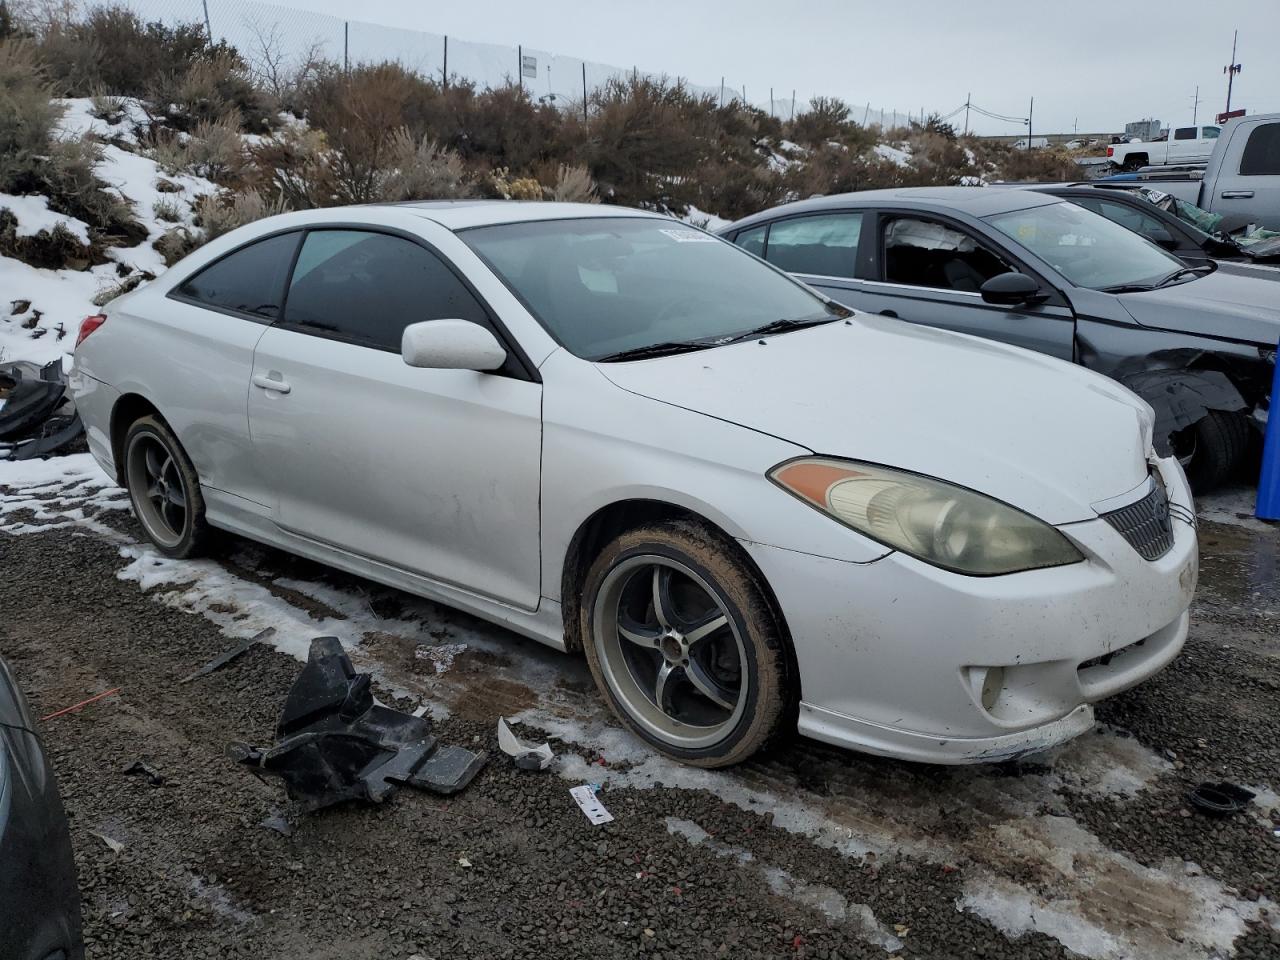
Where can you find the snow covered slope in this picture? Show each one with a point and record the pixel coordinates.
(41, 310)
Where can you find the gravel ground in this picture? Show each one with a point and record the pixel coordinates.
(808, 852)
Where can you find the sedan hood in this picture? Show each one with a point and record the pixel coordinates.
(1045, 436)
(1231, 304)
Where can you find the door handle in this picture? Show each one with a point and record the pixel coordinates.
(889, 313)
(276, 383)
(1236, 194)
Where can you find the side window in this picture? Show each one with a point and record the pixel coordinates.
(825, 245)
(1262, 152)
(752, 240)
(1136, 220)
(1211, 133)
(924, 253)
(249, 280)
(367, 287)
(1184, 133)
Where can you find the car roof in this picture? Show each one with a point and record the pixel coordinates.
(975, 201)
(460, 214)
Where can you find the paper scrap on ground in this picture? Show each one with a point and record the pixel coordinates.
(528, 756)
(586, 798)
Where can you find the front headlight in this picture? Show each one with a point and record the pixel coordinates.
(945, 525)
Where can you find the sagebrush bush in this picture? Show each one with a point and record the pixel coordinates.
(217, 215)
(293, 168)
(574, 185)
(422, 171)
(28, 117)
(210, 89)
(111, 49)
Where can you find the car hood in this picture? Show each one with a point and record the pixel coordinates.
(1231, 304)
(1040, 434)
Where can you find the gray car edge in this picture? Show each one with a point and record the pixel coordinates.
(1205, 365)
(39, 897)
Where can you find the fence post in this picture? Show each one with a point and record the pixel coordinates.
(346, 37)
(520, 64)
(584, 90)
(1268, 507)
(207, 25)
(445, 74)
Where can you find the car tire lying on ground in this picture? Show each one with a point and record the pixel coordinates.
(1212, 448)
(684, 644)
(164, 489)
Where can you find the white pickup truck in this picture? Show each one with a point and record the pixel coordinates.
(1184, 145)
(1241, 180)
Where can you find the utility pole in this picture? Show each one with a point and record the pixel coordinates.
(1231, 69)
(968, 97)
(1195, 105)
(1030, 113)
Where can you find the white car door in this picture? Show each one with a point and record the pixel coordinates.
(431, 471)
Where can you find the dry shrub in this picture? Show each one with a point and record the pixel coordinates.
(574, 185)
(170, 211)
(422, 171)
(293, 166)
(52, 249)
(216, 149)
(112, 50)
(175, 243)
(827, 119)
(217, 215)
(210, 89)
(834, 169)
(27, 117)
(108, 109)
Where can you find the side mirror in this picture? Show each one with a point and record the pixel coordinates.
(1011, 289)
(451, 345)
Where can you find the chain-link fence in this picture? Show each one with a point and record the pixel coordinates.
(280, 36)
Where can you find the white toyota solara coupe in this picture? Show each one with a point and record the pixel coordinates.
(753, 509)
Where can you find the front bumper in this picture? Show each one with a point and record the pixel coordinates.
(892, 653)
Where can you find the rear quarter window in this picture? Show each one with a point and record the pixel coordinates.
(1262, 152)
(249, 280)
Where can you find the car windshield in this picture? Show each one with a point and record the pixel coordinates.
(605, 286)
(1087, 248)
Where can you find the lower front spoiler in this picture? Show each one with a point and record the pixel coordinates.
(867, 737)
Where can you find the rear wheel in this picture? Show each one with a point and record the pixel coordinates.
(684, 645)
(164, 489)
(1211, 449)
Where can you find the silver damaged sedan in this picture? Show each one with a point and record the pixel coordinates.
(753, 509)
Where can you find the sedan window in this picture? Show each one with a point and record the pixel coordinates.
(925, 253)
(367, 287)
(1087, 249)
(605, 286)
(825, 246)
(1131, 218)
(249, 280)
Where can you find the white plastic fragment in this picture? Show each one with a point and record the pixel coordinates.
(115, 845)
(528, 756)
(586, 798)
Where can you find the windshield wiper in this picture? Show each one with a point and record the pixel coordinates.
(1129, 288)
(658, 350)
(1178, 274)
(779, 326)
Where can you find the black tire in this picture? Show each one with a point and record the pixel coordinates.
(1211, 449)
(179, 532)
(1134, 163)
(766, 688)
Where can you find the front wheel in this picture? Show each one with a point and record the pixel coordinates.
(684, 645)
(1211, 449)
(164, 489)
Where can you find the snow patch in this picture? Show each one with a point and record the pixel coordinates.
(33, 216)
(894, 154)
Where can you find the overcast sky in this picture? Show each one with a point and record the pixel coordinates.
(1081, 61)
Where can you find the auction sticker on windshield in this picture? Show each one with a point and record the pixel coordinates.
(689, 236)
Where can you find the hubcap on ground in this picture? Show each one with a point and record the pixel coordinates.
(159, 494)
(670, 651)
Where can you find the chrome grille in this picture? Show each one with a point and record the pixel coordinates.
(1146, 524)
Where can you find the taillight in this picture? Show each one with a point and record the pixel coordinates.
(1111, 151)
(88, 325)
